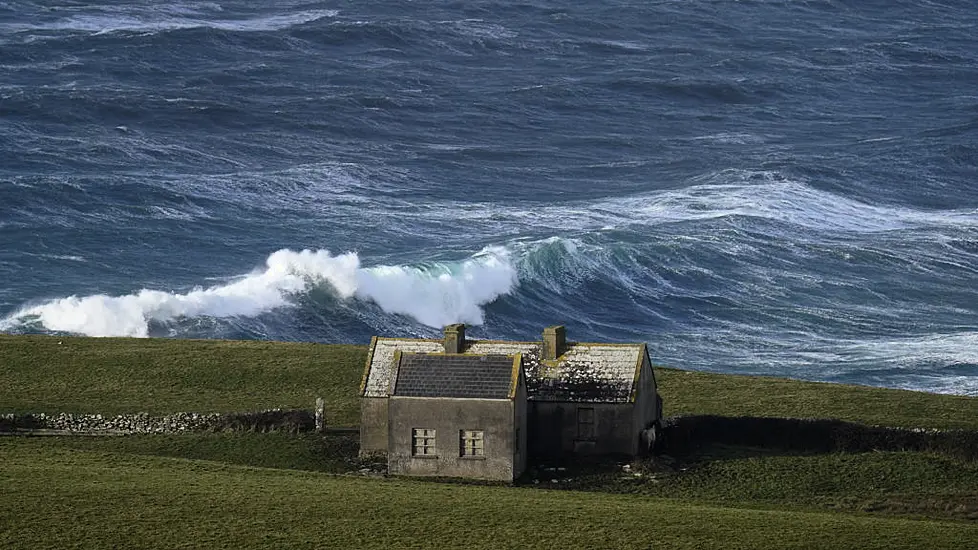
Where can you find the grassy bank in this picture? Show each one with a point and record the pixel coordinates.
(110, 499)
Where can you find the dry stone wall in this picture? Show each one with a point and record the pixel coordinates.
(143, 423)
(681, 435)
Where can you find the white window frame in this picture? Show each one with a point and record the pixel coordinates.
(423, 442)
(472, 443)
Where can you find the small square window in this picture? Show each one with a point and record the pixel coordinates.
(471, 443)
(422, 442)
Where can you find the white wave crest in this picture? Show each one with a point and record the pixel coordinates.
(435, 295)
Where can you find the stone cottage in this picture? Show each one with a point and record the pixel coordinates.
(480, 408)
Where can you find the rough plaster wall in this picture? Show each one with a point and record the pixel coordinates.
(645, 397)
(373, 425)
(447, 417)
(648, 378)
(555, 431)
(521, 421)
(616, 432)
(643, 415)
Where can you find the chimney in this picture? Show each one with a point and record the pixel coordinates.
(554, 342)
(455, 338)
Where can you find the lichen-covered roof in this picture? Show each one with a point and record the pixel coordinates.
(453, 375)
(585, 372)
(381, 361)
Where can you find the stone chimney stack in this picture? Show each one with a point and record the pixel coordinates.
(455, 338)
(554, 342)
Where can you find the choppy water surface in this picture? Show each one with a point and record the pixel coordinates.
(771, 187)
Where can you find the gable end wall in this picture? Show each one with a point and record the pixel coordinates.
(646, 401)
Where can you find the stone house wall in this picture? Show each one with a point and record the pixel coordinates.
(584, 428)
(373, 425)
(447, 416)
(647, 406)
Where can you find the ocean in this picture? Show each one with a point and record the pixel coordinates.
(771, 187)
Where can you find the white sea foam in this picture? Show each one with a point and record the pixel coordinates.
(478, 28)
(768, 196)
(762, 195)
(68, 257)
(730, 138)
(433, 294)
(939, 363)
(925, 362)
(340, 192)
(162, 20)
(936, 348)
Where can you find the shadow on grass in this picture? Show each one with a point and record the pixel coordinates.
(694, 446)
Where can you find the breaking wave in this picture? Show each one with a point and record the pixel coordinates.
(434, 294)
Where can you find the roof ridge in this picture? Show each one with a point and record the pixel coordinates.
(496, 341)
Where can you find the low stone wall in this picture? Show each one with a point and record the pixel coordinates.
(683, 434)
(142, 423)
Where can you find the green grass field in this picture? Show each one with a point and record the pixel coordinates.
(905, 483)
(121, 375)
(687, 392)
(244, 490)
(55, 497)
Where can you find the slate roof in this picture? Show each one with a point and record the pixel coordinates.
(585, 372)
(473, 376)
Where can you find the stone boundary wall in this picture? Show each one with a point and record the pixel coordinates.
(292, 420)
(683, 434)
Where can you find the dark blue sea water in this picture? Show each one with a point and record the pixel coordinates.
(779, 187)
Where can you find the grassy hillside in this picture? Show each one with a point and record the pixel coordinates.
(95, 499)
(243, 490)
(688, 392)
(121, 375)
(124, 375)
